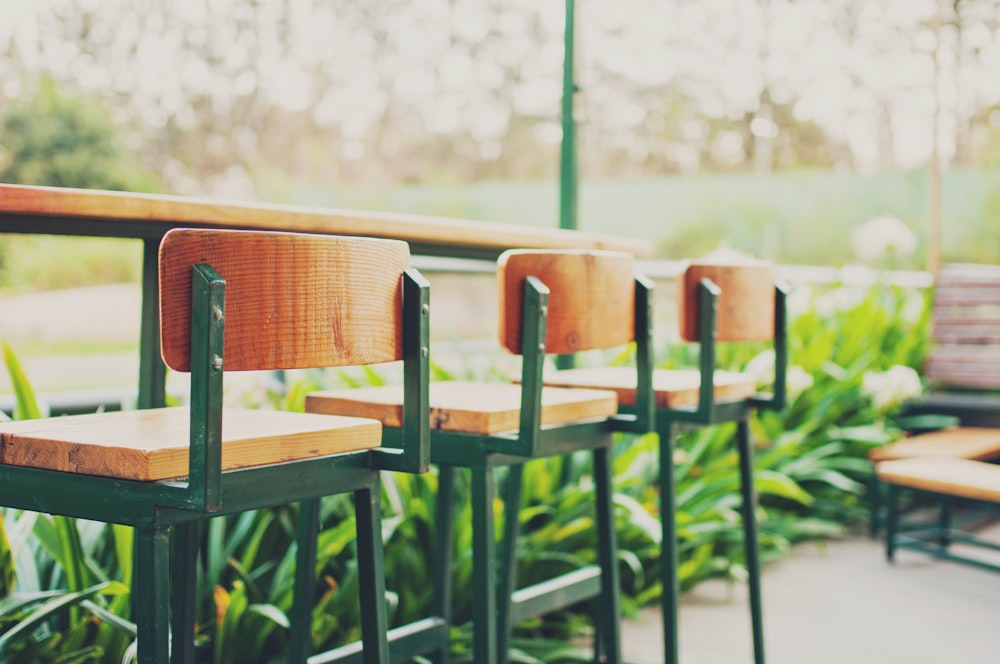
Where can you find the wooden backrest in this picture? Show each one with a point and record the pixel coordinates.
(965, 328)
(591, 298)
(292, 300)
(745, 306)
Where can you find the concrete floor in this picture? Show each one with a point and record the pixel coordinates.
(840, 603)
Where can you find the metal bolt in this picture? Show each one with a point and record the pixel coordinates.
(545, 311)
(424, 351)
(426, 309)
(541, 348)
(217, 312)
(217, 363)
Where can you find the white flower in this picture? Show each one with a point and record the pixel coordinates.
(799, 302)
(761, 367)
(881, 237)
(798, 380)
(913, 306)
(891, 388)
(836, 300)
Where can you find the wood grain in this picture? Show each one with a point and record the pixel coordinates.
(292, 300)
(477, 408)
(87, 204)
(153, 444)
(977, 480)
(745, 304)
(961, 443)
(591, 300)
(671, 387)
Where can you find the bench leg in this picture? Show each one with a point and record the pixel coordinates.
(150, 601)
(668, 547)
(750, 538)
(299, 637)
(892, 521)
(608, 644)
(442, 565)
(371, 573)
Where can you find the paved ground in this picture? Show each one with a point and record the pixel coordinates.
(836, 604)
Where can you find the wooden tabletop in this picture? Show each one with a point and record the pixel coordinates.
(53, 210)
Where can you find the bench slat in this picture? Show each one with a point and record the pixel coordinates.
(963, 442)
(977, 480)
(965, 328)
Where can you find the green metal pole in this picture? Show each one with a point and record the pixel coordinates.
(567, 167)
(567, 163)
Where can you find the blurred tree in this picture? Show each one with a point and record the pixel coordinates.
(50, 139)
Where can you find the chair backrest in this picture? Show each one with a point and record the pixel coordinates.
(591, 298)
(965, 328)
(292, 300)
(745, 305)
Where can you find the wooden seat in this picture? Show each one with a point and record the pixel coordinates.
(716, 303)
(237, 301)
(672, 388)
(549, 302)
(153, 444)
(479, 408)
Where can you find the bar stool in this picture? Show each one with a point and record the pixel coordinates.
(240, 301)
(716, 303)
(549, 302)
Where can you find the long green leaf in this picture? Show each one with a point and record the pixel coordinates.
(27, 404)
(46, 610)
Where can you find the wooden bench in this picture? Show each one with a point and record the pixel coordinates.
(963, 371)
(963, 367)
(949, 479)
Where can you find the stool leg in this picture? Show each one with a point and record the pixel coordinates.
(299, 633)
(750, 538)
(150, 601)
(609, 611)
(508, 573)
(668, 545)
(484, 604)
(443, 560)
(944, 522)
(892, 521)
(371, 573)
(184, 575)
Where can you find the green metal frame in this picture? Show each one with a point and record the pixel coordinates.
(497, 604)
(709, 412)
(933, 540)
(154, 508)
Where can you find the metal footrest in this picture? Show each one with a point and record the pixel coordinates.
(558, 593)
(405, 642)
(928, 541)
